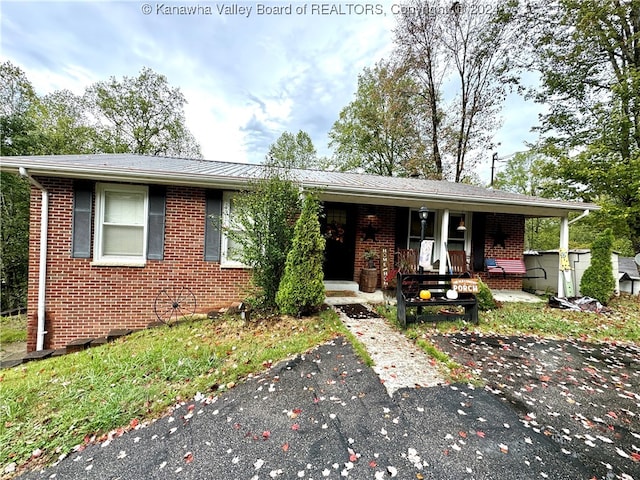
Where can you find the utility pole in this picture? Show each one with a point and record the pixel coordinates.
(494, 159)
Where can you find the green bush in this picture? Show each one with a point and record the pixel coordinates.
(597, 281)
(263, 224)
(302, 288)
(485, 297)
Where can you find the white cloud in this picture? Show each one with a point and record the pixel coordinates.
(245, 79)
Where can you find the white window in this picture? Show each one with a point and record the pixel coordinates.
(121, 224)
(230, 249)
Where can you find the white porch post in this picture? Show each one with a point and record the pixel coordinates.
(564, 245)
(444, 232)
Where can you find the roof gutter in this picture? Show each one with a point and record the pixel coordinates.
(579, 217)
(42, 272)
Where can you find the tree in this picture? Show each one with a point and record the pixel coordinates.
(293, 151)
(14, 252)
(64, 126)
(18, 135)
(263, 224)
(597, 281)
(462, 47)
(18, 105)
(301, 289)
(588, 55)
(142, 115)
(379, 131)
(524, 173)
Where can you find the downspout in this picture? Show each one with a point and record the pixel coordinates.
(564, 245)
(579, 217)
(42, 271)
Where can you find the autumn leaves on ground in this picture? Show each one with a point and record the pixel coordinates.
(50, 407)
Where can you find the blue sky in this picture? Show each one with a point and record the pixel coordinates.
(246, 77)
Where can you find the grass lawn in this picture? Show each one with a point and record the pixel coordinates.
(13, 329)
(50, 407)
(619, 323)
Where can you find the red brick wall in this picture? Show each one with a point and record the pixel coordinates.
(512, 227)
(89, 301)
(383, 220)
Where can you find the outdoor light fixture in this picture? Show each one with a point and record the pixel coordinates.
(423, 212)
(461, 227)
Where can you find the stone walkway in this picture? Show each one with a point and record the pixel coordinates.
(398, 362)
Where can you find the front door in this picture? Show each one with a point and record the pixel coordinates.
(338, 227)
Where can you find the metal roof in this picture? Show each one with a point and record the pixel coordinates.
(333, 186)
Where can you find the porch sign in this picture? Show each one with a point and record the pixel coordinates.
(465, 285)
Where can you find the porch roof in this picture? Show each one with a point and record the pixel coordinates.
(333, 186)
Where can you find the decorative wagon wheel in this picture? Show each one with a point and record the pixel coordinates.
(173, 304)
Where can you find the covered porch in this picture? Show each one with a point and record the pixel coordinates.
(348, 292)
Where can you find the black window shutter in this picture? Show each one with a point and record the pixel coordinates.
(212, 235)
(81, 227)
(157, 206)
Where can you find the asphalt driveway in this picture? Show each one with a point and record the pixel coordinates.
(326, 415)
(584, 397)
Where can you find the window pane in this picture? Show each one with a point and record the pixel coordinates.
(233, 249)
(122, 241)
(416, 224)
(124, 207)
(454, 223)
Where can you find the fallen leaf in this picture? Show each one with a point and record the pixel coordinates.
(188, 457)
(285, 447)
(622, 453)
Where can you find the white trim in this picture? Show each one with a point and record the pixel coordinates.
(115, 260)
(225, 261)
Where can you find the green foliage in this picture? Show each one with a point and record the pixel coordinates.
(18, 106)
(54, 404)
(485, 297)
(14, 234)
(379, 132)
(293, 151)
(13, 329)
(301, 289)
(262, 228)
(143, 115)
(589, 59)
(64, 126)
(597, 281)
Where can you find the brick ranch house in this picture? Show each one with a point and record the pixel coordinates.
(109, 232)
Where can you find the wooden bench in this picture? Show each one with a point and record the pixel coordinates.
(408, 288)
(509, 266)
